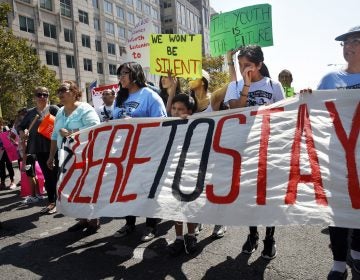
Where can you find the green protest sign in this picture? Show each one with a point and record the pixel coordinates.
(245, 26)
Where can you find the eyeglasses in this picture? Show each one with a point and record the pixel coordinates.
(124, 73)
(352, 42)
(42, 95)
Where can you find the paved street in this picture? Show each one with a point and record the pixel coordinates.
(39, 247)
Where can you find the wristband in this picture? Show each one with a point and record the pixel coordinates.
(243, 94)
(246, 86)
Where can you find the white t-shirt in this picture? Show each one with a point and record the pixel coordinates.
(260, 93)
(101, 113)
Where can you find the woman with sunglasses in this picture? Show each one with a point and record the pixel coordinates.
(38, 148)
(136, 100)
(73, 116)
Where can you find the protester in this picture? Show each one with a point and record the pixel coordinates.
(255, 88)
(285, 78)
(105, 111)
(5, 162)
(169, 87)
(207, 102)
(72, 117)
(182, 106)
(38, 148)
(348, 78)
(135, 100)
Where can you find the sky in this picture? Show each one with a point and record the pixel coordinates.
(303, 35)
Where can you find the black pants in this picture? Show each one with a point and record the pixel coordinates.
(269, 231)
(339, 242)
(150, 222)
(50, 176)
(5, 162)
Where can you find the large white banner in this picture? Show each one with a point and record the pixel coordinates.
(292, 162)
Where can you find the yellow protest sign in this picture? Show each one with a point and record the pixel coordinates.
(179, 53)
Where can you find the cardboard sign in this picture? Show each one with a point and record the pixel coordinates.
(178, 53)
(245, 26)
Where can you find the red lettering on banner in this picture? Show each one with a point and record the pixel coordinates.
(236, 170)
(303, 126)
(349, 145)
(86, 164)
(263, 151)
(132, 161)
(117, 161)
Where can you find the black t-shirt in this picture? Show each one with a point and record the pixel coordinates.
(36, 142)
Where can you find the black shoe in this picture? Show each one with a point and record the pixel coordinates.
(354, 264)
(269, 251)
(251, 244)
(190, 244)
(78, 227)
(91, 229)
(337, 275)
(177, 248)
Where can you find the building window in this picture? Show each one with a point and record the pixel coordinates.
(95, 4)
(46, 4)
(98, 45)
(121, 32)
(122, 50)
(97, 24)
(26, 1)
(109, 27)
(85, 41)
(167, 5)
(146, 9)
(120, 13)
(49, 30)
(52, 58)
(130, 18)
(108, 7)
(111, 48)
(112, 69)
(154, 13)
(83, 17)
(27, 24)
(139, 5)
(87, 64)
(68, 35)
(65, 7)
(100, 68)
(70, 61)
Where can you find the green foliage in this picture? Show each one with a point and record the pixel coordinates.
(20, 71)
(214, 65)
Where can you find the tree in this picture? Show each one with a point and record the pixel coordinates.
(20, 70)
(214, 65)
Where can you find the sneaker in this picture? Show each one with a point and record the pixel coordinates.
(39, 196)
(190, 244)
(149, 234)
(12, 186)
(337, 275)
(269, 251)
(124, 231)
(219, 231)
(198, 228)
(177, 248)
(30, 200)
(251, 244)
(2, 186)
(354, 264)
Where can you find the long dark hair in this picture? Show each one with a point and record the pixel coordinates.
(136, 76)
(254, 54)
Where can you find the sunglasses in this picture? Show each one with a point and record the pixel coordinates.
(42, 95)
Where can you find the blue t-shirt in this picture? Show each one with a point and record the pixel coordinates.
(340, 80)
(141, 104)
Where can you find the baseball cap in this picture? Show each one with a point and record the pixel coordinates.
(353, 30)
